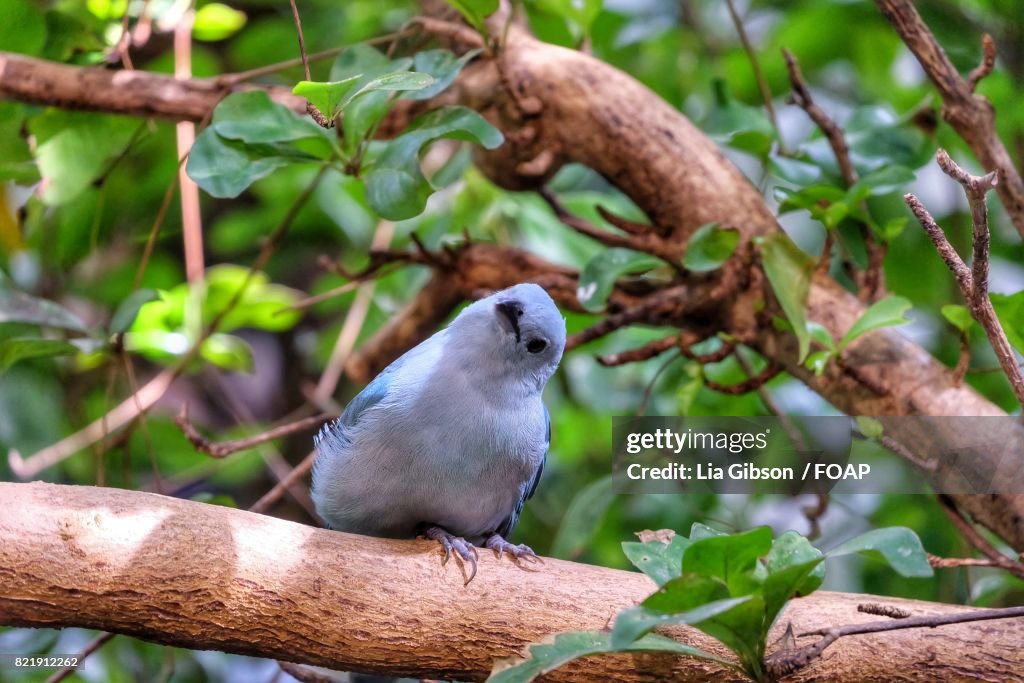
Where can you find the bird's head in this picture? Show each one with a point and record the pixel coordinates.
(518, 330)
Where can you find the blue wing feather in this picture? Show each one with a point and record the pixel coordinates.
(372, 394)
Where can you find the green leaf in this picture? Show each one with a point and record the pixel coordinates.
(794, 569)
(899, 546)
(710, 247)
(545, 657)
(1010, 311)
(128, 309)
(689, 387)
(19, 307)
(22, 348)
(730, 558)
(634, 622)
(699, 531)
(327, 96)
(816, 199)
(228, 352)
(958, 316)
(892, 228)
(582, 518)
(395, 186)
(23, 28)
(74, 148)
(601, 272)
(224, 168)
(818, 361)
(660, 561)
(333, 97)
(443, 66)
(869, 427)
(796, 171)
(884, 313)
(881, 181)
(252, 117)
(475, 11)
(16, 162)
(216, 21)
(738, 125)
(789, 271)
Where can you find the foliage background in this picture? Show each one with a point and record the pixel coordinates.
(78, 240)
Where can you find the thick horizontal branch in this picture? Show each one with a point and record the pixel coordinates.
(209, 577)
(134, 93)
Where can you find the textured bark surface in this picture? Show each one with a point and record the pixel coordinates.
(207, 577)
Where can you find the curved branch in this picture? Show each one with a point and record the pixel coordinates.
(208, 577)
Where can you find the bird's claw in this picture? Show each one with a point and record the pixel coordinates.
(520, 552)
(465, 550)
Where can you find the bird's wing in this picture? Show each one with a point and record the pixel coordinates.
(509, 524)
(372, 394)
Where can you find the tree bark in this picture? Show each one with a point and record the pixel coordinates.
(206, 577)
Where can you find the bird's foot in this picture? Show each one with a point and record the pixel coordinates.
(521, 552)
(463, 548)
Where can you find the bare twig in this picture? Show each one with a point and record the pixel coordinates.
(802, 98)
(755, 64)
(956, 562)
(191, 218)
(870, 281)
(786, 662)
(128, 410)
(649, 389)
(988, 62)
(977, 540)
(353, 321)
(973, 281)
(318, 116)
(747, 385)
(645, 352)
(970, 114)
(274, 494)
(648, 241)
(96, 643)
(226, 448)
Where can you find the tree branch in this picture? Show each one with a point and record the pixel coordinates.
(208, 577)
(971, 115)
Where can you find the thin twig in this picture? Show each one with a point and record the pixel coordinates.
(646, 242)
(96, 643)
(871, 284)
(318, 116)
(955, 562)
(649, 389)
(787, 661)
(279, 489)
(226, 448)
(973, 282)
(747, 385)
(755, 64)
(645, 352)
(353, 324)
(988, 62)
(977, 540)
(185, 131)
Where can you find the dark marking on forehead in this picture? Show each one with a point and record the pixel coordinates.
(512, 310)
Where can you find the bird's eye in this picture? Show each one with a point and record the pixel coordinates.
(536, 345)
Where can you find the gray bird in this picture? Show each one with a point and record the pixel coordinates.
(450, 440)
